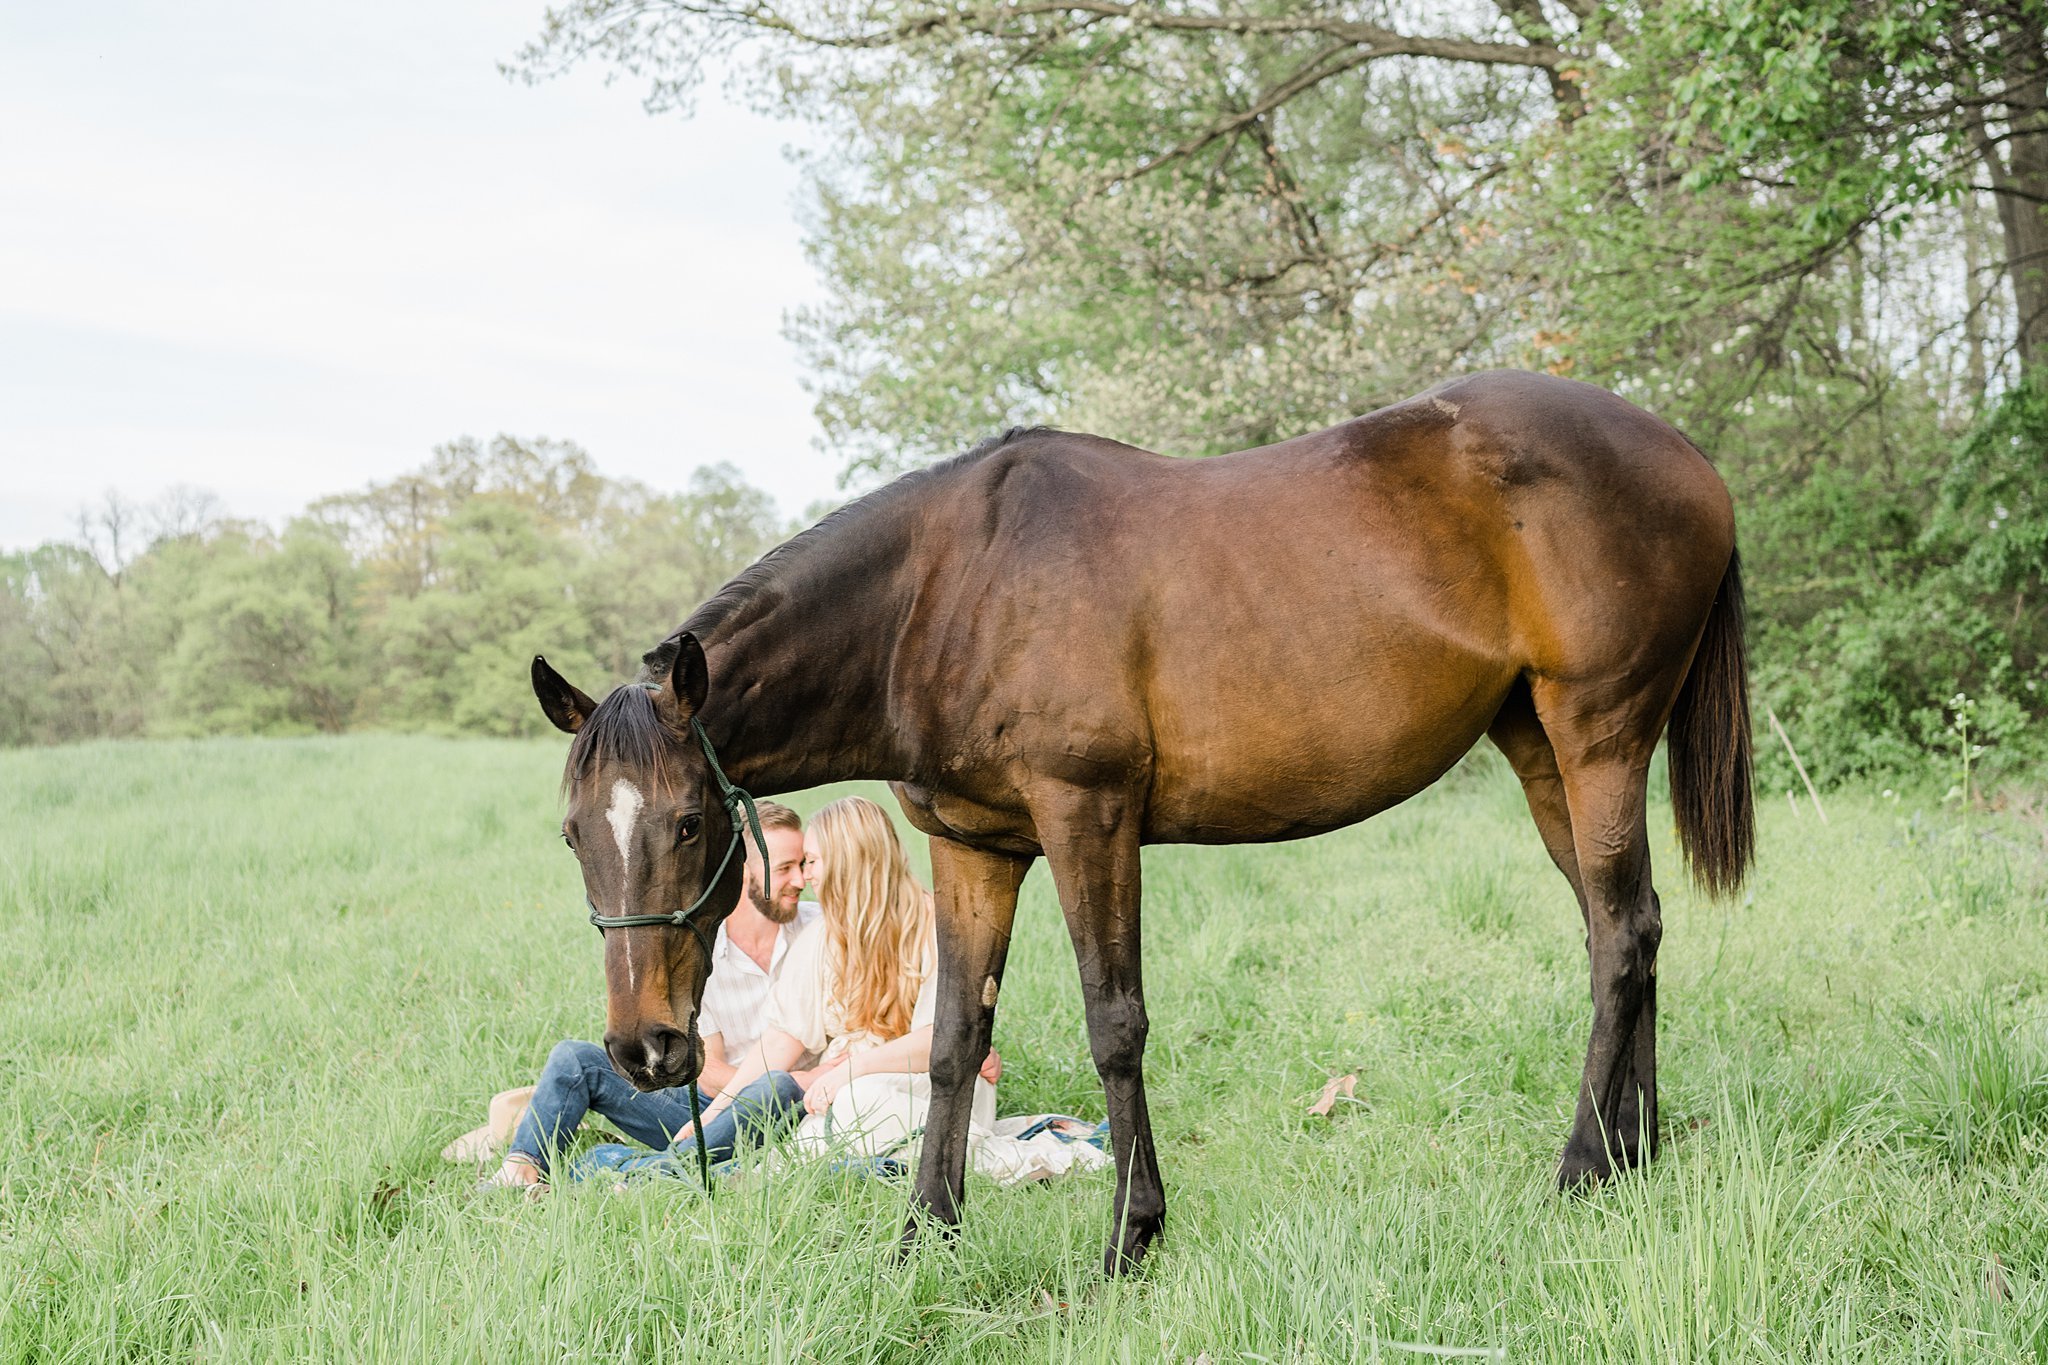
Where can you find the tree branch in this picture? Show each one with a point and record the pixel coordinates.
(991, 21)
(1532, 25)
(1331, 61)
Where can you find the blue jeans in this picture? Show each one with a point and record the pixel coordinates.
(578, 1078)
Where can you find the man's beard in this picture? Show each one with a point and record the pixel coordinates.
(770, 909)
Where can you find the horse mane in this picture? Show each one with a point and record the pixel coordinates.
(860, 514)
(625, 728)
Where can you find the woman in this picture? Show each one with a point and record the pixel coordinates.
(855, 999)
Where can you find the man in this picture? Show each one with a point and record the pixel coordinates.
(745, 962)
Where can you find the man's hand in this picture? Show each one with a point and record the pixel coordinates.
(820, 1093)
(992, 1067)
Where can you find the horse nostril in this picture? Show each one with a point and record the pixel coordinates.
(621, 1050)
(667, 1050)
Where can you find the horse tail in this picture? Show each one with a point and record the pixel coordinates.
(1709, 749)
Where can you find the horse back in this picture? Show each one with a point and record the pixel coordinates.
(1290, 638)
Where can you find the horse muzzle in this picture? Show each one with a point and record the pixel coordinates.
(657, 1057)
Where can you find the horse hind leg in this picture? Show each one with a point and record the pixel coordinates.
(1519, 735)
(1599, 753)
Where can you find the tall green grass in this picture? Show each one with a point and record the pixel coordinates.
(248, 990)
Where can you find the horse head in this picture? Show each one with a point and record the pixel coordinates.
(658, 832)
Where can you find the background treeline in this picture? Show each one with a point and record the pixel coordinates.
(412, 605)
(1814, 235)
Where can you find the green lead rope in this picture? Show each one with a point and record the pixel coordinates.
(737, 800)
(703, 1152)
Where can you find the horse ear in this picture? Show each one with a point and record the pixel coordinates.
(689, 677)
(565, 706)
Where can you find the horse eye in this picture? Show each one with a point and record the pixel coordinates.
(567, 840)
(689, 827)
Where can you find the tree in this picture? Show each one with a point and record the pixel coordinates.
(272, 639)
(1871, 113)
(455, 655)
(75, 629)
(397, 527)
(1203, 225)
(25, 671)
(1197, 228)
(661, 555)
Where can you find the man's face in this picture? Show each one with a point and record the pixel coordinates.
(785, 876)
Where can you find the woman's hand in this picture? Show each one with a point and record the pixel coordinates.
(992, 1067)
(818, 1096)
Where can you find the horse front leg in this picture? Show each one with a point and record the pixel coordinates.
(1091, 844)
(976, 892)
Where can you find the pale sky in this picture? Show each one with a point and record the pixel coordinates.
(281, 250)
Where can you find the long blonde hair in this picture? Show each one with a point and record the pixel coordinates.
(878, 920)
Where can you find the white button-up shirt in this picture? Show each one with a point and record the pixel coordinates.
(736, 997)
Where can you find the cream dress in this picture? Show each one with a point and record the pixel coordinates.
(874, 1114)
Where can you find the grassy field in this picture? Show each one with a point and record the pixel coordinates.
(248, 989)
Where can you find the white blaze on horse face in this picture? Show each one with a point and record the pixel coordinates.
(625, 811)
(624, 814)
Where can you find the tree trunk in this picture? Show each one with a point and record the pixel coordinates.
(2026, 255)
(1977, 250)
(2019, 181)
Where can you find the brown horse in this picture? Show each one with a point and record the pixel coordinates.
(1058, 645)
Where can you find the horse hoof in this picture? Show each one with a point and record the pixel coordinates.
(1580, 1173)
(1582, 1168)
(1125, 1254)
(923, 1221)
